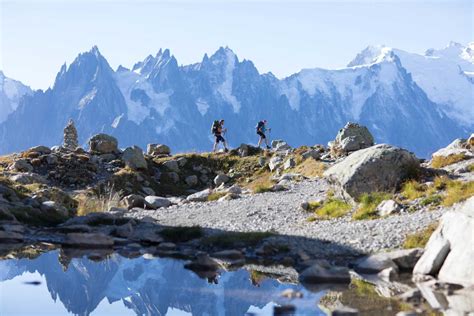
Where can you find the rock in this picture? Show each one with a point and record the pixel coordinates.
(21, 165)
(289, 163)
(378, 168)
(10, 237)
(148, 191)
(220, 179)
(191, 181)
(106, 158)
(157, 149)
(103, 144)
(345, 311)
(203, 263)
(133, 158)
(28, 178)
(280, 145)
(324, 273)
(42, 150)
(235, 189)
(350, 138)
(458, 146)
(375, 263)
(134, 200)
(70, 136)
(449, 250)
(312, 153)
(291, 294)
(229, 254)
(148, 236)
(243, 150)
(204, 179)
(228, 197)
(275, 162)
(171, 165)
(388, 207)
(200, 196)
(124, 230)
(182, 161)
(172, 176)
(156, 202)
(305, 206)
(51, 159)
(262, 161)
(54, 208)
(88, 240)
(405, 259)
(279, 187)
(166, 246)
(388, 274)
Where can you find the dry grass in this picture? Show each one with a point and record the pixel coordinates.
(260, 182)
(412, 190)
(309, 168)
(215, 196)
(443, 161)
(419, 239)
(368, 204)
(98, 201)
(457, 191)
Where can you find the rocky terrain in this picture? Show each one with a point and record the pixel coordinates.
(318, 210)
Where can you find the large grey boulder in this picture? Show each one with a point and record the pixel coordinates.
(172, 165)
(157, 149)
(220, 179)
(350, 138)
(200, 196)
(449, 253)
(275, 162)
(42, 150)
(458, 146)
(133, 158)
(103, 144)
(377, 168)
(156, 202)
(191, 180)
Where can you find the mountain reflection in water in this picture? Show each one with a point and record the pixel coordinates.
(122, 286)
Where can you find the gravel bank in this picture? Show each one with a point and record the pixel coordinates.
(281, 213)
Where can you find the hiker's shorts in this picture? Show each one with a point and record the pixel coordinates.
(219, 138)
(261, 134)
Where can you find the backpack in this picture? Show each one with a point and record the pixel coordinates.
(259, 125)
(215, 126)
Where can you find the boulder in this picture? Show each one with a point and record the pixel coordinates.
(449, 253)
(325, 273)
(133, 158)
(275, 162)
(312, 153)
(220, 179)
(280, 145)
(157, 149)
(181, 161)
(103, 144)
(350, 138)
(171, 165)
(203, 263)
(134, 200)
(51, 159)
(375, 263)
(21, 165)
(235, 189)
(387, 207)
(156, 202)
(88, 240)
(200, 196)
(191, 181)
(42, 150)
(28, 178)
(289, 163)
(377, 168)
(458, 146)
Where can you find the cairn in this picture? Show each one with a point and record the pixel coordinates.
(70, 136)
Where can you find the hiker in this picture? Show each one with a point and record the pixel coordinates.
(261, 129)
(217, 129)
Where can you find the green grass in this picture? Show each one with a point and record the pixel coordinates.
(233, 239)
(412, 190)
(433, 200)
(215, 196)
(443, 161)
(420, 238)
(332, 208)
(368, 203)
(458, 191)
(262, 188)
(182, 234)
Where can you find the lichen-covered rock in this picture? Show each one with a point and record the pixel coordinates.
(103, 144)
(377, 168)
(42, 150)
(350, 138)
(21, 165)
(157, 150)
(133, 158)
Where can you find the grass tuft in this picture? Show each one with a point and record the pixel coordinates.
(309, 168)
(98, 201)
(420, 238)
(262, 188)
(443, 161)
(457, 191)
(412, 190)
(215, 196)
(368, 204)
(332, 208)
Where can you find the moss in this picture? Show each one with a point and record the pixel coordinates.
(458, 191)
(368, 203)
(215, 196)
(332, 208)
(420, 238)
(443, 161)
(233, 239)
(182, 234)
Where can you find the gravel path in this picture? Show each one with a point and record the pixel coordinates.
(281, 212)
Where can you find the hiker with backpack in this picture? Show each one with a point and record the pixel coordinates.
(218, 129)
(261, 129)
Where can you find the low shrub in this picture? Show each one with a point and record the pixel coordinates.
(368, 203)
(433, 200)
(98, 201)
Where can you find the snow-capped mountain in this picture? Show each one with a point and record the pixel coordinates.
(420, 102)
(11, 91)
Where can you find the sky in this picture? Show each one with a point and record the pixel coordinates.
(37, 37)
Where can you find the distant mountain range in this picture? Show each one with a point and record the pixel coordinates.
(420, 102)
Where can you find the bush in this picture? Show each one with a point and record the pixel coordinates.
(368, 204)
(419, 239)
(443, 161)
(332, 208)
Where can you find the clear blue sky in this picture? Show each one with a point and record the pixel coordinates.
(37, 37)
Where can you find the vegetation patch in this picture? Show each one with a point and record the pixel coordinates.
(215, 196)
(310, 168)
(233, 239)
(458, 191)
(99, 200)
(332, 208)
(420, 238)
(368, 203)
(412, 190)
(432, 200)
(470, 168)
(443, 161)
(182, 234)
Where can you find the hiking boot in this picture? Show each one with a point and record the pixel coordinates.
(268, 147)
(226, 150)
